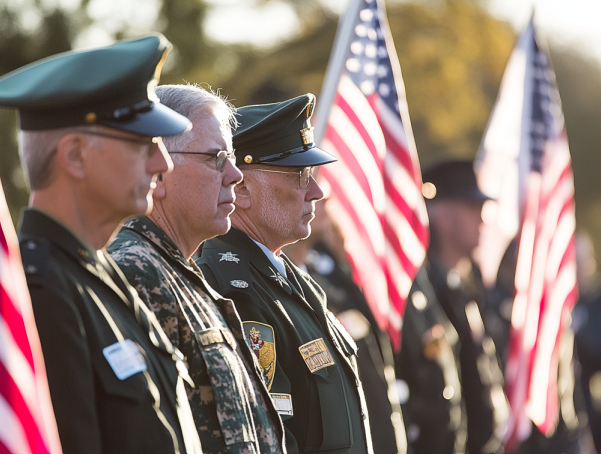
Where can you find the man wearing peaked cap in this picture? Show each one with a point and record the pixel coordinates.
(307, 359)
(90, 146)
(448, 360)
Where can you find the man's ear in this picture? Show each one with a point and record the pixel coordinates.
(159, 191)
(242, 195)
(70, 156)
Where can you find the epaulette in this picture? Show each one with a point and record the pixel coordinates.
(35, 254)
(231, 269)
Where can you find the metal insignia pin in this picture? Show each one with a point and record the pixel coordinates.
(229, 257)
(278, 278)
(239, 284)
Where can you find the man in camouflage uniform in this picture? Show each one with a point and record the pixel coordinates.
(231, 406)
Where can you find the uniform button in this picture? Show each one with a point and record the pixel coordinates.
(363, 415)
(30, 244)
(31, 269)
(448, 392)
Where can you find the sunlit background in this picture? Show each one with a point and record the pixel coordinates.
(452, 52)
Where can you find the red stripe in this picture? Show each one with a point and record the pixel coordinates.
(349, 160)
(11, 393)
(16, 325)
(398, 201)
(352, 116)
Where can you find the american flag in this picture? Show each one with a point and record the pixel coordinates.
(27, 423)
(376, 184)
(545, 280)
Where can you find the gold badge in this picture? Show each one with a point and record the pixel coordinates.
(261, 341)
(307, 135)
(316, 355)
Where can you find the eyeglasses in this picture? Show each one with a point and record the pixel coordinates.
(303, 175)
(220, 158)
(147, 143)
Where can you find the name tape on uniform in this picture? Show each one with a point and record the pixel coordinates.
(125, 358)
(282, 403)
(316, 355)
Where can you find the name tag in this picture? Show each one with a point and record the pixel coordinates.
(316, 355)
(125, 358)
(282, 403)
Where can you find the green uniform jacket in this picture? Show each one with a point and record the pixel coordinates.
(290, 330)
(231, 406)
(82, 305)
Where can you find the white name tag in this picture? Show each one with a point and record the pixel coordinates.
(282, 403)
(125, 358)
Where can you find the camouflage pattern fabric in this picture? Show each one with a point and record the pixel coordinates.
(231, 406)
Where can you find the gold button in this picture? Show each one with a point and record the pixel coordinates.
(90, 118)
(248, 159)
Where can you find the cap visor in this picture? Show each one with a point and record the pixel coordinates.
(312, 157)
(158, 121)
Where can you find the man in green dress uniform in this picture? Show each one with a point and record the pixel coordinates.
(90, 145)
(307, 358)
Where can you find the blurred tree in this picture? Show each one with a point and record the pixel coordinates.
(20, 45)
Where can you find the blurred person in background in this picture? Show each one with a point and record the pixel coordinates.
(448, 362)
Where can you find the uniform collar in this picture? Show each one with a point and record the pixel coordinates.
(276, 260)
(36, 222)
(155, 235)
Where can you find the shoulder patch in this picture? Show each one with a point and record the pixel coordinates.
(35, 254)
(261, 340)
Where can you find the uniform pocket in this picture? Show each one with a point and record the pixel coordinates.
(230, 387)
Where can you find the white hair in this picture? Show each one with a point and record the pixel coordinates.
(185, 98)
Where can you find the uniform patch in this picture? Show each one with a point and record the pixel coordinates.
(239, 284)
(229, 257)
(316, 355)
(261, 340)
(282, 403)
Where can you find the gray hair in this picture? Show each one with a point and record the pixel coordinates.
(37, 150)
(183, 99)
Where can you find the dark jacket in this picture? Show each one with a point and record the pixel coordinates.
(82, 305)
(307, 357)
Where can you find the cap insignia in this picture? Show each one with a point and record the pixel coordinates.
(248, 159)
(307, 135)
(228, 257)
(90, 118)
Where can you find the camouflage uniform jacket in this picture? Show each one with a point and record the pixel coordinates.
(231, 406)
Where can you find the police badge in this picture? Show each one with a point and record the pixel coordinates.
(261, 340)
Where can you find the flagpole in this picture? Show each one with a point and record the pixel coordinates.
(342, 43)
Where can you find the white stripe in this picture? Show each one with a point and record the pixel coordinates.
(410, 244)
(394, 126)
(359, 202)
(402, 281)
(560, 243)
(354, 142)
(550, 326)
(364, 261)
(19, 369)
(12, 434)
(405, 185)
(364, 112)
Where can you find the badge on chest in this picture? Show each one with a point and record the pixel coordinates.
(316, 355)
(124, 358)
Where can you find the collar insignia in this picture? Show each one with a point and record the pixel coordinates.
(239, 284)
(276, 276)
(228, 257)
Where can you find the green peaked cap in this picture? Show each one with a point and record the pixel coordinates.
(279, 134)
(111, 86)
